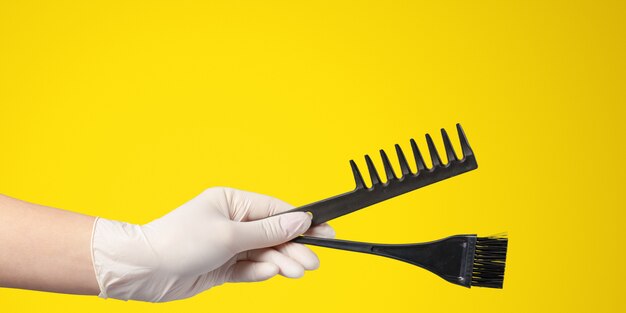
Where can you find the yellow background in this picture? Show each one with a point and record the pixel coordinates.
(128, 109)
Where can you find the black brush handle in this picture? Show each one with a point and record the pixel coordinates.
(451, 258)
(362, 197)
(338, 244)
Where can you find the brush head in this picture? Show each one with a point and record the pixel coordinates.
(489, 261)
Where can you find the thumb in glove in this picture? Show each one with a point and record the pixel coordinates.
(270, 231)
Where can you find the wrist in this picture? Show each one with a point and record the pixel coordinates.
(124, 261)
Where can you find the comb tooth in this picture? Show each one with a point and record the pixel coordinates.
(404, 165)
(387, 165)
(434, 155)
(360, 184)
(448, 145)
(372, 170)
(465, 147)
(419, 160)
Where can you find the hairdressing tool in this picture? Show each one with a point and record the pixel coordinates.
(362, 196)
(465, 260)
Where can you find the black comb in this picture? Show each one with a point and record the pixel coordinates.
(363, 196)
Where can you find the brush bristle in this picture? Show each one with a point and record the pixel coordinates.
(489, 261)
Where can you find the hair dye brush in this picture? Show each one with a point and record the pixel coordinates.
(466, 260)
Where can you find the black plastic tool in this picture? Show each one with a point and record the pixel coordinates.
(362, 196)
(465, 260)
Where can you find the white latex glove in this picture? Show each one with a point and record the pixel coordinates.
(220, 236)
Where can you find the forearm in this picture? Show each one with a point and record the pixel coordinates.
(43, 248)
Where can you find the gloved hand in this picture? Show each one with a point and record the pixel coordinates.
(220, 236)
